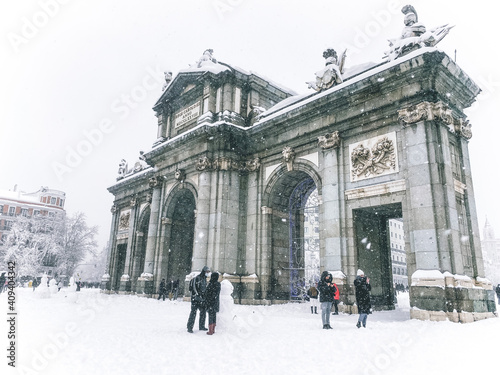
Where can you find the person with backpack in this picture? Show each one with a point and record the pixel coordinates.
(326, 297)
(312, 293)
(212, 301)
(198, 288)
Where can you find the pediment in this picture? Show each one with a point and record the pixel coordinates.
(180, 85)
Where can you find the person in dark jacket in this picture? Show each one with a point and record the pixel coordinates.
(162, 290)
(363, 287)
(326, 297)
(497, 290)
(34, 284)
(198, 288)
(212, 301)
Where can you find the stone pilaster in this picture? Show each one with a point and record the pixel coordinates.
(331, 244)
(106, 279)
(202, 224)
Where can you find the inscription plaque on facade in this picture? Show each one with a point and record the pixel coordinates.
(187, 114)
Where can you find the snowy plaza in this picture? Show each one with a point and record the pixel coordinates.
(93, 333)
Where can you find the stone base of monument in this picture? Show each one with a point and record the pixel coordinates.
(105, 284)
(457, 298)
(125, 287)
(247, 290)
(145, 287)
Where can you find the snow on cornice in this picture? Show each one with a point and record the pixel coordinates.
(357, 78)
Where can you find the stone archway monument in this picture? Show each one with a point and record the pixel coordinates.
(378, 142)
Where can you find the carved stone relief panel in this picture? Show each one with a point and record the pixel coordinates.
(124, 220)
(373, 157)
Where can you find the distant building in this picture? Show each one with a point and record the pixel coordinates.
(398, 253)
(491, 253)
(15, 203)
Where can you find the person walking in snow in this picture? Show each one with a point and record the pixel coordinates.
(162, 290)
(497, 290)
(34, 284)
(326, 297)
(2, 281)
(198, 288)
(312, 293)
(336, 299)
(175, 289)
(212, 301)
(363, 287)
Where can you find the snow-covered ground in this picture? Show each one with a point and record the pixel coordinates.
(99, 334)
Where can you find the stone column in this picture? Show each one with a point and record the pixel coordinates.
(331, 219)
(145, 282)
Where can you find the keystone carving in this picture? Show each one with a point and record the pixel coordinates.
(180, 174)
(288, 157)
(329, 140)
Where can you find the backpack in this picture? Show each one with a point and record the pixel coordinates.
(191, 284)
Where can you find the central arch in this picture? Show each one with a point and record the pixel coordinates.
(289, 197)
(179, 236)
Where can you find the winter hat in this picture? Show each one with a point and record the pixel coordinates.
(360, 273)
(205, 269)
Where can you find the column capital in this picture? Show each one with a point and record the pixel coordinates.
(329, 140)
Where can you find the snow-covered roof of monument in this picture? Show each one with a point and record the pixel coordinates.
(351, 76)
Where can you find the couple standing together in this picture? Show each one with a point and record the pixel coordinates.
(204, 297)
(327, 290)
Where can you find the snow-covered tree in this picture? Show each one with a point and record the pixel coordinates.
(59, 242)
(33, 241)
(77, 241)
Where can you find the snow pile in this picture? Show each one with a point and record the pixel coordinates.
(42, 290)
(427, 278)
(53, 286)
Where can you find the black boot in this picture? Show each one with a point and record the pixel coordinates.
(315, 309)
(358, 324)
(311, 309)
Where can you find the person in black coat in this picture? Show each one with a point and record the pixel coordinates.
(162, 290)
(326, 296)
(212, 301)
(198, 288)
(497, 290)
(363, 287)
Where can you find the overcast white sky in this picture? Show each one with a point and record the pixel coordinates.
(69, 66)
